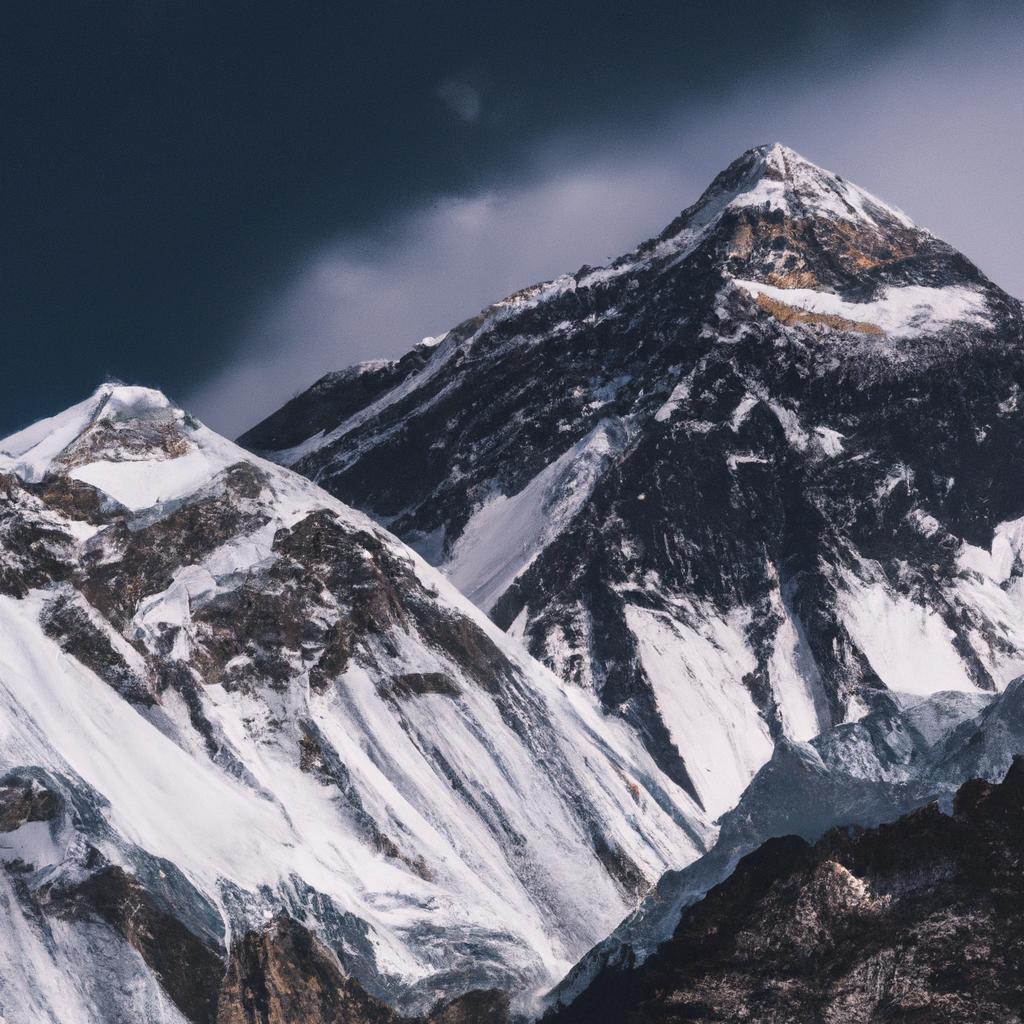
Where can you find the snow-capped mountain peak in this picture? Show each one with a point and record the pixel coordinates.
(781, 179)
(59, 439)
(721, 482)
(240, 699)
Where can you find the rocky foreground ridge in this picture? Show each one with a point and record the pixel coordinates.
(918, 920)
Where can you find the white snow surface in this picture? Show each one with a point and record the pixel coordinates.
(997, 563)
(900, 312)
(507, 533)
(695, 672)
(794, 677)
(542, 901)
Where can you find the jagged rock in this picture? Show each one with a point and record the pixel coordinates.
(484, 1006)
(23, 800)
(917, 920)
(283, 975)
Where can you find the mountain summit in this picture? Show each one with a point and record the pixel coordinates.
(743, 483)
(245, 731)
(779, 178)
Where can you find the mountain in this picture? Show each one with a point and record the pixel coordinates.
(752, 494)
(917, 920)
(864, 773)
(259, 762)
(742, 484)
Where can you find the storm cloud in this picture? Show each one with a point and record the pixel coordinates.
(229, 206)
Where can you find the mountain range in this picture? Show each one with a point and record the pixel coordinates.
(482, 683)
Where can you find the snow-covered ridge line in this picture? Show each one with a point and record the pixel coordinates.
(442, 349)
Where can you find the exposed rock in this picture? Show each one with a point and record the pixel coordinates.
(70, 624)
(486, 1006)
(418, 683)
(126, 565)
(918, 920)
(23, 800)
(284, 975)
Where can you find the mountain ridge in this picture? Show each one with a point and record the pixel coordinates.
(242, 700)
(715, 453)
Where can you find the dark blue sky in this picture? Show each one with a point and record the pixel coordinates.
(227, 199)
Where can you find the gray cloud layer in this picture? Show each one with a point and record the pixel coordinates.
(937, 129)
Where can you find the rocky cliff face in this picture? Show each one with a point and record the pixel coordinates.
(917, 920)
(283, 974)
(739, 484)
(227, 700)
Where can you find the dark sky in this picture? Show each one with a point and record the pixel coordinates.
(227, 199)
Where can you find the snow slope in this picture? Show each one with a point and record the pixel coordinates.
(245, 679)
(506, 534)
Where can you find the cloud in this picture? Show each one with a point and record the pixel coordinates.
(462, 99)
(920, 131)
(376, 294)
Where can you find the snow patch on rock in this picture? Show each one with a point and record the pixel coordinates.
(900, 312)
(507, 533)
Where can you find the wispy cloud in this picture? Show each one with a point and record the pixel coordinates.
(462, 99)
